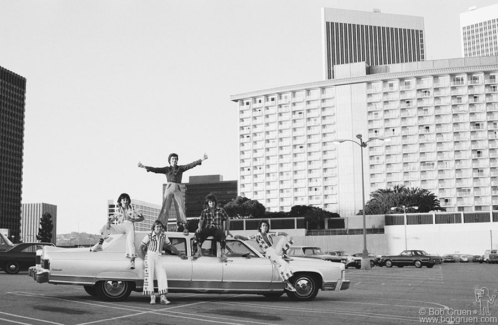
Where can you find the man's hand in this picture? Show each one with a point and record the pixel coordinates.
(183, 256)
(198, 230)
(205, 157)
(140, 165)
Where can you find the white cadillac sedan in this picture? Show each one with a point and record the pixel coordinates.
(106, 274)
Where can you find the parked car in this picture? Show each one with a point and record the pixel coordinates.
(20, 257)
(313, 252)
(418, 258)
(340, 257)
(374, 259)
(106, 274)
(448, 258)
(478, 259)
(491, 256)
(5, 243)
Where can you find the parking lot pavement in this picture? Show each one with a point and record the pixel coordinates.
(378, 296)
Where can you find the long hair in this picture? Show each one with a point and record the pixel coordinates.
(157, 222)
(124, 196)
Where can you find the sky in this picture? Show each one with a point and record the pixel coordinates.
(111, 83)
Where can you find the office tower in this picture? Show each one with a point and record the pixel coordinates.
(199, 186)
(30, 220)
(150, 212)
(441, 117)
(479, 31)
(351, 36)
(12, 96)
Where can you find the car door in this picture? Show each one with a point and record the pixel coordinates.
(404, 258)
(207, 271)
(179, 271)
(244, 269)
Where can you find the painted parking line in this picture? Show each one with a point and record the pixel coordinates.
(139, 311)
(26, 318)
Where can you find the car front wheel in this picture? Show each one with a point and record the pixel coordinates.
(113, 290)
(418, 264)
(306, 287)
(389, 263)
(11, 267)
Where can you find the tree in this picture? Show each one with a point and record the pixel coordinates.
(382, 200)
(315, 217)
(242, 207)
(46, 227)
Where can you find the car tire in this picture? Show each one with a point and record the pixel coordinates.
(11, 268)
(372, 264)
(389, 263)
(418, 264)
(113, 290)
(306, 285)
(91, 290)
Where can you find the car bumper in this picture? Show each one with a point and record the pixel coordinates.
(40, 276)
(336, 286)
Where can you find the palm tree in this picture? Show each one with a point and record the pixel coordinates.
(382, 200)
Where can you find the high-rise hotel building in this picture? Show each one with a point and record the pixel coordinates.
(12, 103)
(479, 31)
(441, 118)
(376, 38)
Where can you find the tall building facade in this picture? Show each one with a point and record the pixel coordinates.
(199, 186)
(30, 220)
(150, 212)
(12, 105)
(479, 31)
(441, 117)
(351, 36)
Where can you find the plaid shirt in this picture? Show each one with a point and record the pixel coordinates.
(214, 218)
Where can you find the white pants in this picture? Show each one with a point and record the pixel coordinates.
(123, 228)
(172, 195)
(154, 269)
(274, 253)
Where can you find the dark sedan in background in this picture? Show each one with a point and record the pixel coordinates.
(20, 257)
(417, 258)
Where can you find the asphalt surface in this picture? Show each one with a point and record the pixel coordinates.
(379, 296)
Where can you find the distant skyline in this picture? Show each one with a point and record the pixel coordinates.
(111, 83)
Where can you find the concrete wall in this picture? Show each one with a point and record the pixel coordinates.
(465, 238)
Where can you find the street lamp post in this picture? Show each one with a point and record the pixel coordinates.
(405, 219)
(365, 261)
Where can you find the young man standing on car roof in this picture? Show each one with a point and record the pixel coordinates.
(213, 222)
(173, 193)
